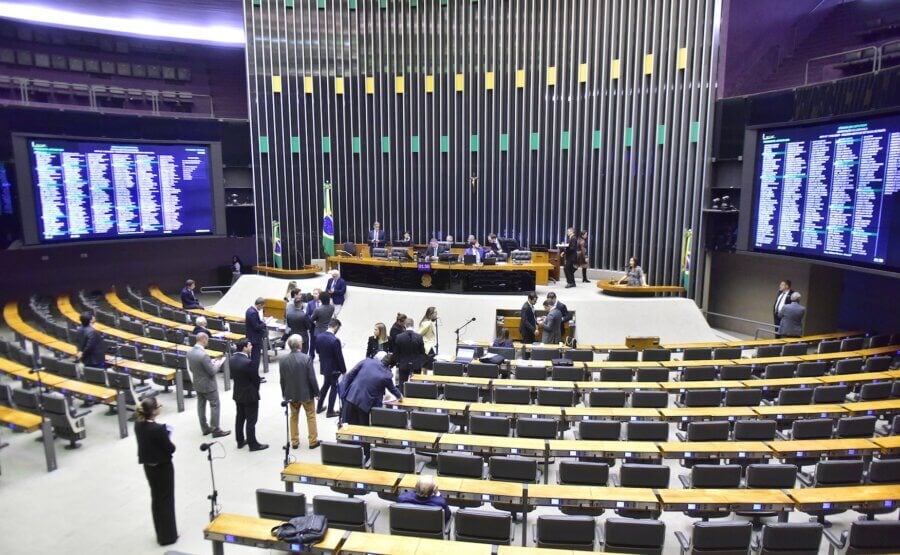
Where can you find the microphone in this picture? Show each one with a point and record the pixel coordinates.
(206, 446)
(284, 403)
(473, 319)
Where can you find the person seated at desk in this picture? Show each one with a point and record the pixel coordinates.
(435, 249)
(503, 340)
(476, 250)
(634, 276)
(376, 236)
(426, 493)
(448, 238)
(200, 326)
(188, 300)
(405, 242)
(494, 244)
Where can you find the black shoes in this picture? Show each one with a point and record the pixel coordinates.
(241, 444)
(315, 445)
(220, 433)
(259, 447)
(320, 410)
(570, 285)
(332, 415)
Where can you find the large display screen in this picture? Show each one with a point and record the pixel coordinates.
(105, 190)
(830, 191)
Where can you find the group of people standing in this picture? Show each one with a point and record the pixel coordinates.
(576, 253)
(550, 325)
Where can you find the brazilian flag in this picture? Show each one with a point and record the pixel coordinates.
(327, 223)
(276, 243)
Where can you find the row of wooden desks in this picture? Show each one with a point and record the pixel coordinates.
(21, 421)
(117, 303)
(157, 294)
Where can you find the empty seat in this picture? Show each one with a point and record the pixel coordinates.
(768, 476)
(726, 353)
(512, 395)
(442, 368)
(736, 372)
(834, 473)
(852, 343)
(702, 398)
(461, 392)
(699, 374)
(579, 355)
(622, 355)
(280, 505)
(583, 473)
(491, 527)
(483, 370)
(429, 421)
(388, 418)
(556, 397)
(708, 431)
(719, 538)
(650, 399)
(460, 465)
(568, 373)
(779, 371)
(880, 340)
(509, 353)
(794, 349)
(811, 428)
(601, 430)
(856, 426)
(342, 454)
(656, 355)
(642, 476)
(869, 538)
(785, 538)
(748, 397)
(848, 366)
(344, 513)
(876, 391)
(513, 469)
(755, 430)
(489, 425)
(616, 374)
(829, 346)
(64, 368)
(544, 354)
(530, 373)
(768, 351)
(607, 398)
(652, 375)
(537, 428)
(794, 396)
(134, 394)
(882, 471)
(95, 376)
(420, 390)
(393, 460)
(647, 431)
(565, 532)
(830, 394)
(623, 535)
(712, 476)
(877, 364)
(697, 353)
(67, 423)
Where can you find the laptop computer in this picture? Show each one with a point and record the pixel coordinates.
(469, 259)
(490, 261)
(465, 354)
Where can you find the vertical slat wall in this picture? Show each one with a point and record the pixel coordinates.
(587, 113)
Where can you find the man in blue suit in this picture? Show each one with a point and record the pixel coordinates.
(337, 287)
(256, 331)
(364, 388)
(311, 305)
(331, 365)
(188, 300)
(376, 236)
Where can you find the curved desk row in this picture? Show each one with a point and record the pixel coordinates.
(613, 287)
(157, 294)
(302, 273)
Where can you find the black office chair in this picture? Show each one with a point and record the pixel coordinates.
(540, 353)
(345, 513)
(768, 351)
(489, 425)
(855, 426)
(537, 428)
(513, 469)
(881, 472)
(67, 423)
(343, 454)
(647, 431)
(768, 476)
(656, 355)
(280, 505)
(852, 343)
(785, 538)
(443, 368)
(779, 371)
(702, 398)
(430, 421)
(877, 364)
(616, 374)
(530, 373)
(565, 532)
(876, 391)
(634, 475)
(512, 395)
(476, 526)
(579, 355)
(483, 370)
(652, 375)
(726, 353)
(600, 430)
(848, 366)
(388, 418)
(706, 431)
(794, 396)
(568, 373)
(794, 349)
(624, 535)
(867, 538)
(623, 355)
(718, 538)
(461, 392)
(551, 397)
(697, 353)
(418, 521)
(811, 369)
(755, 430)
(880, 340)
(650, 399)
(711, 476)
(607, 398)
(393, 460)
(509, 353)
(830, 394)
(699, 373)
(461, 465)
(420, 390)
(747, 397)
(828, 346)
(736, 372)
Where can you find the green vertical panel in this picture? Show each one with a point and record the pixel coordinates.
(445, 143)
(295, 144)
(385, 144)
(595, 140)
(326, 144)
(414, 143)
(564, 140)
(263, 144)
(321, 4)
(413, 3)
(473, 143)
(351, 4)
(257, 2)
(504, 142)
(628, 137)
(443, 2)
(535, 140)
(695, 131)
(288, 3)
(357, 146)
(661, 134)
(382, 4)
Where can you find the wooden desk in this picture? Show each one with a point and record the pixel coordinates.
(381, 544)
(340, 476)
(257, 532)
(692, 414)
(793, 412)
(117, 303)
(19, 420)
(763, 361)
(725, 500)
(781, 383)
(391, 437)
(849, 497)
(866, 408)
(889, 445)
(854, 379)
(817, 447)
(644, 450)
(815, 357)
(493, 445)
(677, 364)
(597, 365)
(698, 345)
(721, 385)
(612, 287)
(831, 335)
(307, 271)
(157, 294)
(554, 495)
(623, 414)
(484, 382)
(497, 409)
(715, 450)
(454, 408)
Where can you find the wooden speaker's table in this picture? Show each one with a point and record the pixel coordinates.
(613, 287)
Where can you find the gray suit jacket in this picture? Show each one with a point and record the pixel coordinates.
(203, 373)
(552, 326)
(792, 320)
(298, 379)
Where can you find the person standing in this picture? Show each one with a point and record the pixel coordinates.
(378, 341)
(331, 365)
(323, 314)
(785, 290)
(299, 387)
(528, 320)
(89, 342)
(203, 375)
(246, 397)
(365, 386)
(256, 331)
(155, 449)
(376, 236)
(792, 317)
(396, 329)
(582, 258)
(298, 323)
(188, 300)
(428, 330)
(311, 305)
(571, 255)
(409, 352)
(337, 290)
(551, 324)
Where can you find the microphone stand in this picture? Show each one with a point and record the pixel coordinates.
(214, 496)
(462, 327)
(287, 434)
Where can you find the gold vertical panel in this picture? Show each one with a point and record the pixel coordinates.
(682, 58)
(582, 73)
(399, 84)
(489, 81)
(338, 85)
(460, 82)
(308, 84)
(520, 78)
(614, 68)
(429, 83)
(370, 85)
(276, 84)
(648, 64)
(551, 76)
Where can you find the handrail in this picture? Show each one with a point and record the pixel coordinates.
(875, 59)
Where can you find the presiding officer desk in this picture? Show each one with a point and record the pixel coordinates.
(613, 287)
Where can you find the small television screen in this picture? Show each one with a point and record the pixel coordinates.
(830, 191)
(105, 190)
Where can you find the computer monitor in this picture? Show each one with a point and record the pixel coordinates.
(469, 259)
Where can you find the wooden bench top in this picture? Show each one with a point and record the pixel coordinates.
(157, 294)
(19, 420)
(117, 303)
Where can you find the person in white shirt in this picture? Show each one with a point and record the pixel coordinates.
(785, 290)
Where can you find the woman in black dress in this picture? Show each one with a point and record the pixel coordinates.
(155, 453)
(398, 328)
(378, 341)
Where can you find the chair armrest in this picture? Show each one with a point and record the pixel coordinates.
(600, 539)
(534, 533)
(835, 542)
(678, 403)
(370, 518)
(540, 474)
(685, 480)
(420, 466)
(79, 414)
(755, 544)
(614, 479)
(681, 436)
(768, 402)
(683, 541)
(453, 429)
(781, 435)
(805, 479)
(447, 528)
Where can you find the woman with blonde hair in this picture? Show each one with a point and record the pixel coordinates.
(155, 450)
(378, 341)
(428, 330)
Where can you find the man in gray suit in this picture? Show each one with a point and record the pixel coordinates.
(203, 374)
(551, 324)
(299, 387)
(791, 315)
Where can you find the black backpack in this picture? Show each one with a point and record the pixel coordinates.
(304, 530)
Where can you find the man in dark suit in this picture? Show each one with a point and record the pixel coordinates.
(409, 352)
(527, 320)
(337, 288)
(376, 236)
(551, 324)
(331, 365)
(792, 317)
(256, 331)
(435, 249)
(365, 386)
(785, 290)
(571, 253)
(299, 387)
(494, 244)
(563, 309)
(298, 322)
(188, 300)
(246, 396)
(311, 305)
(89, 342)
